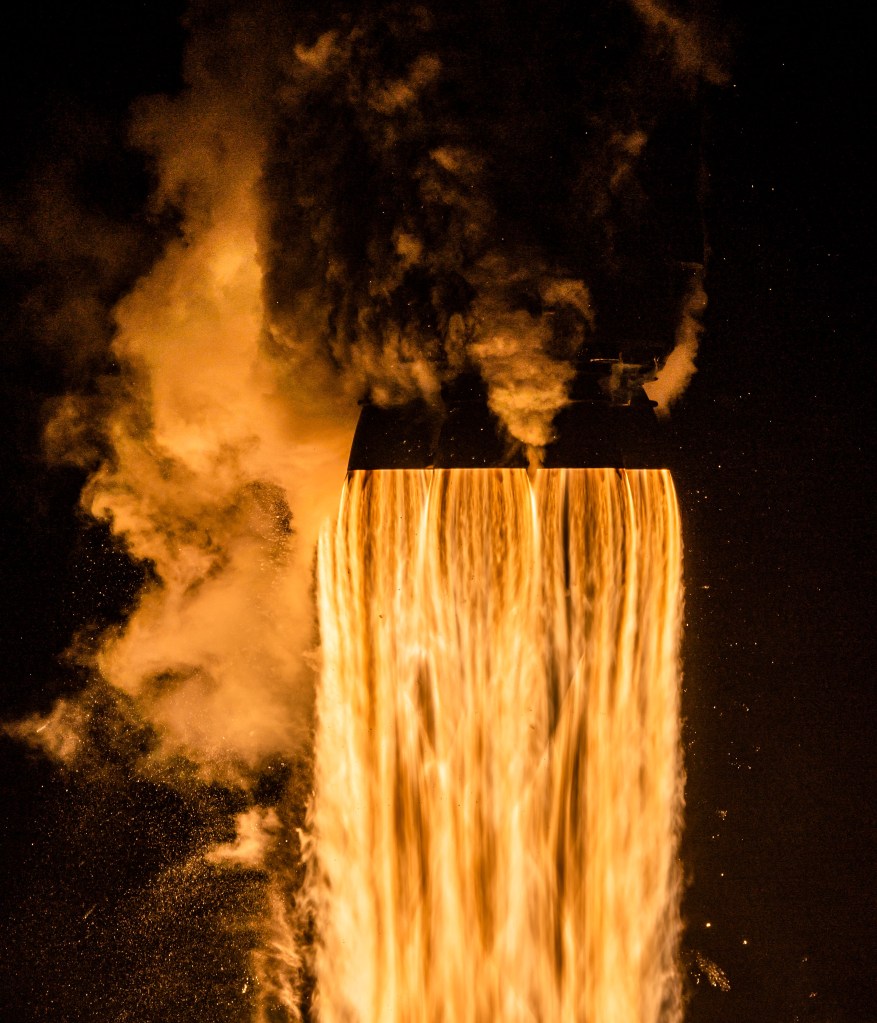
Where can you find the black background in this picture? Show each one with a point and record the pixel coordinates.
(772, 454)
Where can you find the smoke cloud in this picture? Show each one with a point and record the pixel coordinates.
(696, 53)
(675, 374)
(209, 444)
(431, 211)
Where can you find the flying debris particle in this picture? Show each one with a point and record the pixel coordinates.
(712, 971)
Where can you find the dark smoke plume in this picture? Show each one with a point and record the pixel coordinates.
(483, 189)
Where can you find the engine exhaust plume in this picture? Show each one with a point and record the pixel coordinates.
(498, 778)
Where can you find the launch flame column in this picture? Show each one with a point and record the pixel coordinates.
(498, 778)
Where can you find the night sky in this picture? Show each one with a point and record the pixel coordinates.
(772, 452)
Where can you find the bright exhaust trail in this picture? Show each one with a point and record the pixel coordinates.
(498, 767)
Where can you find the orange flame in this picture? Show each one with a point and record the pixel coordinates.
(498, 767)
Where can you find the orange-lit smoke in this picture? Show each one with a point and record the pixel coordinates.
(693, 50)
(212, 442)
(679, 367)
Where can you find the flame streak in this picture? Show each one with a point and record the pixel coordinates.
(498, 782)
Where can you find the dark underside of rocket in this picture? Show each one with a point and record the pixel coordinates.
(593, 430)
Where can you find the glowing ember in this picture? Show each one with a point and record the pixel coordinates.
(498, 768)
